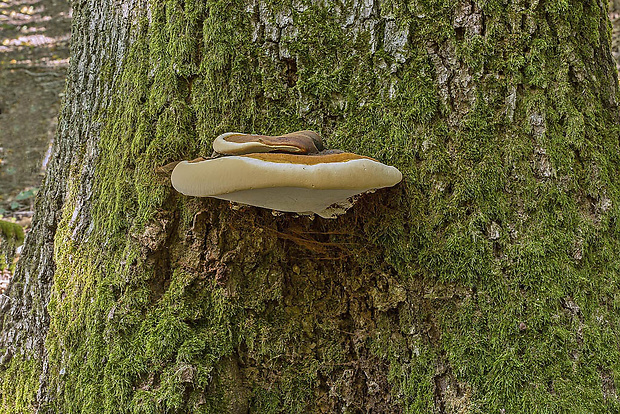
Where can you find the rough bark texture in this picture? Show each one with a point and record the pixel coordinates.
(486, 282)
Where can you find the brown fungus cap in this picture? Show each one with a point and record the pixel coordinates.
(285, 182)
(300, 142)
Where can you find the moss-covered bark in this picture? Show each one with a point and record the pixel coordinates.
(487, 281)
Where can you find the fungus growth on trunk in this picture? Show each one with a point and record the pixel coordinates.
(317, 182)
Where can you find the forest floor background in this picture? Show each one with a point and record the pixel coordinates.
(34, 56)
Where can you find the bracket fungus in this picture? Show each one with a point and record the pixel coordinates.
(305, 184)
(300, 142)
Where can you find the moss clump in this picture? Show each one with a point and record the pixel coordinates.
(11, 237)
(12, 231)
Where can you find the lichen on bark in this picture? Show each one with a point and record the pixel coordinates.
(485, 282)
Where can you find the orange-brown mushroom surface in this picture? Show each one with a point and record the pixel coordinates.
(300, 142)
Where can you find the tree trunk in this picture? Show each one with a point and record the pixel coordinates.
(487, 281)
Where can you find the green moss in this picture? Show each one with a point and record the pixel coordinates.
(12, 232)
(19, 382)
(11, 237)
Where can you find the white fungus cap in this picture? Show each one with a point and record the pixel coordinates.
(284, 182)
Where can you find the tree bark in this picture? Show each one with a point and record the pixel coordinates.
(486, 282)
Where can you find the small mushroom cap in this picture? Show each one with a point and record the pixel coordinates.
(300, 142)
(284, 182)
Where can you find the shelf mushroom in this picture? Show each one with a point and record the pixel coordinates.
(302, 184)
(300, 142)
